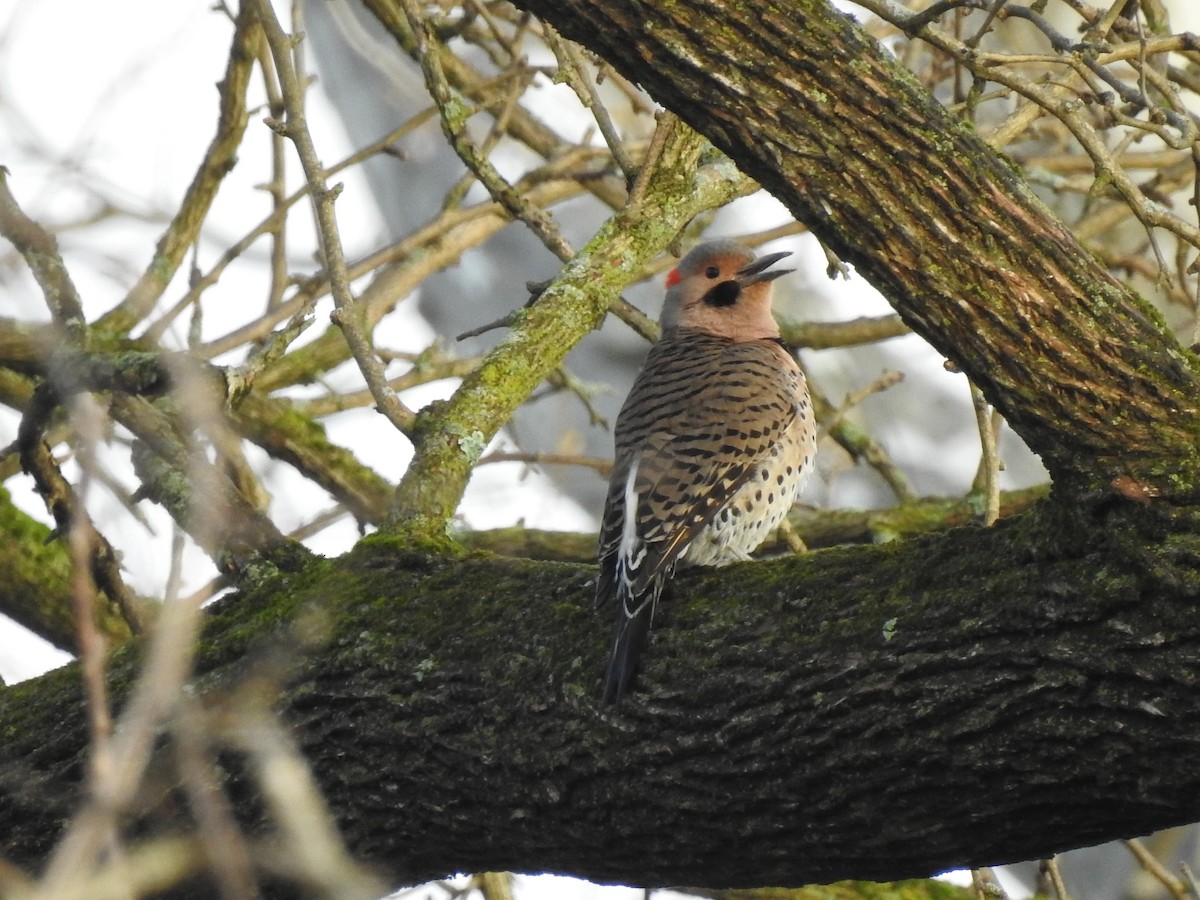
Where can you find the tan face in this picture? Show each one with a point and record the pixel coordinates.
(721, 288)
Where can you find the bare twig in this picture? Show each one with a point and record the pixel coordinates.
(1060, 101)
(494, 885)
(272, 225)
(882, 383)
(823, 335)
(347, 315)
(1193, 888)
(1050, 867)
(987, 479)
(664, 130)
(986, 885)
(221, 840)
(573, 70)
(601, 467)
(169, 660)
(1150, 863)
(143, 870)
(860, 445)
(217, 163)
(277, 186)
(401, 266)
(241, 378)
(63, 504)
(791, 537)
(428, 371)
(454, 115)
(311, 849)
(40, 252)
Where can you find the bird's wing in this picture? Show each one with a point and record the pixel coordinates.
(702, 415)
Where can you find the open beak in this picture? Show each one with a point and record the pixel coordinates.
(756, 271)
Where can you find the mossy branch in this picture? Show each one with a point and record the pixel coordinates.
(818, 528)
(829, 122)
(818, 710)
(35, 583)
(451, 436)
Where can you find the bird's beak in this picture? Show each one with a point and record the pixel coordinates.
(756, 271)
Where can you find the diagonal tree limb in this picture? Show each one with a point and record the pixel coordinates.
(451, 437)
(821, 116)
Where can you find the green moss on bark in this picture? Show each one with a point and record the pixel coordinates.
(35, 582)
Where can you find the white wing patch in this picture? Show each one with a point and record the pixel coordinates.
(632, 550)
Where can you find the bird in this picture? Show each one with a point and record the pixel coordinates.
(712, 445)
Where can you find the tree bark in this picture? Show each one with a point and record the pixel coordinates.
(815, 110)
(872, 713)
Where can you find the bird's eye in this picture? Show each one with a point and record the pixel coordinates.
(712, 271)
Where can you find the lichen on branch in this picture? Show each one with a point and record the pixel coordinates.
(687, 179)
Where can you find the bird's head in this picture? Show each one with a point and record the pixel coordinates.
(721, 288)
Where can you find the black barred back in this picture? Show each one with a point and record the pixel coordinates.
(703, 418)
(712, 446)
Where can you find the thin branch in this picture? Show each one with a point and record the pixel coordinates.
(168, 662)
(601, 467)
(272, 225)
(240, 379)
(816, 527)
(221, 840)
(1059, 101)
(824, 335)
(347, 315)
(1149, 862)
(666, 126)
(285, 433)
(1049, 866)
(198, 496)
(64, 505)
(402, 267)
(454, 115)
(573, 70)
(1192, 885)
(312, 850)
(427, 371)
(276, 188)
(860, 445)
(987, 479)
(40, 252)
(218, 161)
(986, 885)
(884, 382)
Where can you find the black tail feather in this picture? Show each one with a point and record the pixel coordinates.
(629, 639)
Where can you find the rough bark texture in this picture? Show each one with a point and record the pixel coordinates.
(872, 713)
(814, 109)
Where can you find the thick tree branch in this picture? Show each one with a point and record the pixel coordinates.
(825, 119)
(828, 714)
(35, 582)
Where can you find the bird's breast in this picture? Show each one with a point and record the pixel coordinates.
(753, 513)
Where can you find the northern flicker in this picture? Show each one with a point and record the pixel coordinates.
(713, 443)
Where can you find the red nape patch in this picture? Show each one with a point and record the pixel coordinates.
(673, 278)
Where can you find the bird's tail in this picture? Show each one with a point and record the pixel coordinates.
(634, 614)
